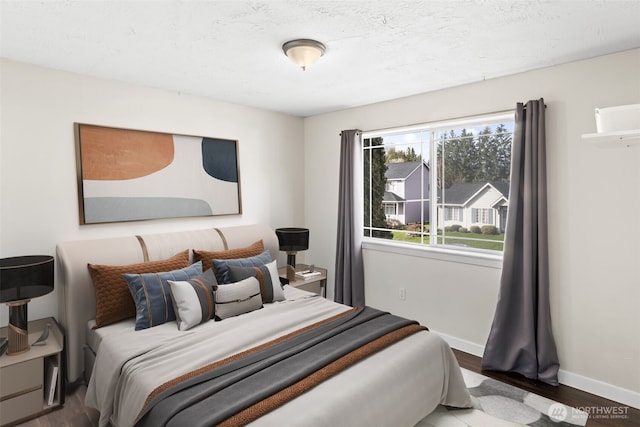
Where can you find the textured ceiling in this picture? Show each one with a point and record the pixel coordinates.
(231, 50)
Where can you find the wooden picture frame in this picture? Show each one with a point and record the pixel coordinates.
(133, 175)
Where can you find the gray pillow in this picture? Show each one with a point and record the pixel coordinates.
(267, 276)
(221, 266)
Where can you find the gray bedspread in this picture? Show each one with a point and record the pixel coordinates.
(396, 386)
(227, 389)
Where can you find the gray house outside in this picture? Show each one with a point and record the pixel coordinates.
(403, 194)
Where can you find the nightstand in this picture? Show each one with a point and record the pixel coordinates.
(25, 379)
(317, 284)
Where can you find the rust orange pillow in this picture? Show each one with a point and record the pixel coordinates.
(256, 248)
(113, 298)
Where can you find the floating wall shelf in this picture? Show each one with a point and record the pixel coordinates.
(625, 138)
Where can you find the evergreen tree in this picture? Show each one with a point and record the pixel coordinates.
(465, 158)
(375, 166)
(411, 155)
(503, 147)
(487, 153)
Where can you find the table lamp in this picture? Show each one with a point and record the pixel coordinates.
(292, 240)
(23, 278)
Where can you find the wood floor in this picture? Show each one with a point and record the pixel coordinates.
(563, 394)
(75, 414)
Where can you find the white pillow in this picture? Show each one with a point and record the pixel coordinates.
(193, 300)
(278, 292)
(237, 298)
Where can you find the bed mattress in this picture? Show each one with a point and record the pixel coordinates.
(419, 372)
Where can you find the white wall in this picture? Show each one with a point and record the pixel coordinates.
(594, 198)
(595, 281)
(39, 203)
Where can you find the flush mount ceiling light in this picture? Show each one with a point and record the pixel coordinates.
(303, 52)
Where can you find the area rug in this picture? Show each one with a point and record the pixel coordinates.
(496, 404)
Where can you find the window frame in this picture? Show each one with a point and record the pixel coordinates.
(453, 213)
(467, 255)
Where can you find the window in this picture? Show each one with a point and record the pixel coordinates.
(390, 209)
(482, 216)
(453, 214)
(450, 180)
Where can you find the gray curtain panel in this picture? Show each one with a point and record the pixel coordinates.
(520, 339)
(349, 279)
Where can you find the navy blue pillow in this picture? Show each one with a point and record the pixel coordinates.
(152, 295)
(221, 266)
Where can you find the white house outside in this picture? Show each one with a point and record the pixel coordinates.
(474, 204)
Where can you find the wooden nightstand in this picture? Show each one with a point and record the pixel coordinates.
(317, 284)
(25, 378)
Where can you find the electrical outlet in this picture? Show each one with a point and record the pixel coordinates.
(403, 294)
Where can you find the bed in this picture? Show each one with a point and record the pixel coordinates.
(128, 370)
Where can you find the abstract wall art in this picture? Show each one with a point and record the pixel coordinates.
(130, 175)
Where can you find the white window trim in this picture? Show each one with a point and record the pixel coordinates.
(442, 252)
(491, 259)
(443, 124)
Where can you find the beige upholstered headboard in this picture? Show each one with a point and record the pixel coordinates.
(77, 297)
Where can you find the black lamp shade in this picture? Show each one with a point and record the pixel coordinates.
(293, 239)
(25, 277)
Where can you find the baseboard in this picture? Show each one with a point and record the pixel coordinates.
(590, 385)
(462, 345)
(606, 390)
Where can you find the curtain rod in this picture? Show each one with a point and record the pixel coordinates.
(450, 119)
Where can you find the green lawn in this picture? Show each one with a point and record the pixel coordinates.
(485, 241)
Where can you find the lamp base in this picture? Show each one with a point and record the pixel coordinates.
(18, 330)
(291, 258)
(291, 273)
(291, 265)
